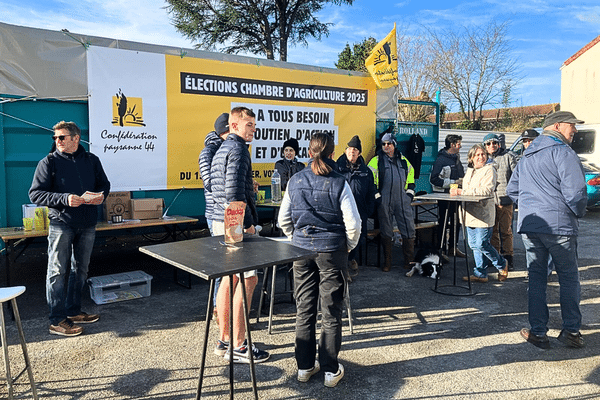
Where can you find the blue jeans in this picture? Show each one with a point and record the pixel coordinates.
(69, 252)
(563, 250)
(313, 280)
(479, 242)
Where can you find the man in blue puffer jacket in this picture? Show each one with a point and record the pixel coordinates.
(61, 181)
(549, 187)
(231, 180)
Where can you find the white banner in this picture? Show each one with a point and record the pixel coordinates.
(128, 116)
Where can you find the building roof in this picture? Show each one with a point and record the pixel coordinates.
(582, 50)
(540, 109)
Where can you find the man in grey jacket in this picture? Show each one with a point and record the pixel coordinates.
(505, 162)
(549, 186)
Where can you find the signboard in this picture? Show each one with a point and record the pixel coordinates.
(150, 113)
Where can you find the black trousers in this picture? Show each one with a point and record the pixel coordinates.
(442, 207)
(322, 279)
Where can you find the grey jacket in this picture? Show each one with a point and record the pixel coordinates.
(549, 187)
(505, 161)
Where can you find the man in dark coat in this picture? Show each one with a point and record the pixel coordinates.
(71, 182)
(360, 178)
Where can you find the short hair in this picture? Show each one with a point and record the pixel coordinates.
(451, 139)
(473, 150)
(240, 112)
(69, 126)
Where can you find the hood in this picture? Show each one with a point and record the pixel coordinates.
(212, 139)
(544, 141)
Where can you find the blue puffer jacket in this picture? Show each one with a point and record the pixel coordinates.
(212, 142)
(58, 175)
(316, 212)
(231, 179)
(549, 188)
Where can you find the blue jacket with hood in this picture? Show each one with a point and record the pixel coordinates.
(549, 187)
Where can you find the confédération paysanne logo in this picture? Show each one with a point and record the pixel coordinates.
(127, 111)
(384, 54)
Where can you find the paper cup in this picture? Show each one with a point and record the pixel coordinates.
(28, 224)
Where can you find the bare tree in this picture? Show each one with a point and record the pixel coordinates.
(414, 76)
(255, 26)
(473, 67)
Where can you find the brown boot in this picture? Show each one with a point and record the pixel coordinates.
(408, 250)
(387, 253)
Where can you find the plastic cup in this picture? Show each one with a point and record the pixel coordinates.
(28, 224)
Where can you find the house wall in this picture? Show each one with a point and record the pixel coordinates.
(580, 85)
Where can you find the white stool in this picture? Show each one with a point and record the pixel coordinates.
(6, 294)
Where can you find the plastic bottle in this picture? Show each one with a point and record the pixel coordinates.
(275, 187)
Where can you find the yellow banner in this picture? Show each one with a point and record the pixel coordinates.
(288, 103)
(382, 64)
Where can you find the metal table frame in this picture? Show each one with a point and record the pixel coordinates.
(455, 199)
(210, 258)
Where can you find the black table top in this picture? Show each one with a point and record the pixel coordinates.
(210, 258)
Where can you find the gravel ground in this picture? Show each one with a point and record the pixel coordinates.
(408, 341)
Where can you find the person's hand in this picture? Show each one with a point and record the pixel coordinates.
(250, 231)
(455, 191)
(97, 200)
(75, 201)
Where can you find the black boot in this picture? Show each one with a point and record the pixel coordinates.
(510, 262)
(408, 250)
(387, 253)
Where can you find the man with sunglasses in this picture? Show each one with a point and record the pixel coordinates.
(71, 182)
(395, 182)
(505, 162)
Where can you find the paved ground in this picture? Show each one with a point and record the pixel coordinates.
(409, 342)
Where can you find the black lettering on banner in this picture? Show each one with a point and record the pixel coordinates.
(214, 85)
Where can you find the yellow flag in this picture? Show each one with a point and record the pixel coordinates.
(382, 64)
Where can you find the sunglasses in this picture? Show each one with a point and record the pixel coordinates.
(491, 143)
(387, 144)
(61, 137)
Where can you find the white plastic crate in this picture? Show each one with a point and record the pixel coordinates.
(118, 287)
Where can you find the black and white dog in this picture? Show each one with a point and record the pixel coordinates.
(428, 263)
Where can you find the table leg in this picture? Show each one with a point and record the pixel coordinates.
(209, 313)
(231, 338)
(247, 322)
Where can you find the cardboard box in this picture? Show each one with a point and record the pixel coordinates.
(117, 203)
(118, 287)
(146, 208)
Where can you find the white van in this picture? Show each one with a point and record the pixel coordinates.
(584, 144)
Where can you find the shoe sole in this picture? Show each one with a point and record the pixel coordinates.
(220, 353)
(91, 321)
(244, 360)
(65, 334)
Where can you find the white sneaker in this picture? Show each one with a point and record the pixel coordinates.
(305, 374)
(332, 379)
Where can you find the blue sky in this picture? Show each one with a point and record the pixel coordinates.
(543, 33)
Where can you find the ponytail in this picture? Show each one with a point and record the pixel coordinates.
(321, 147)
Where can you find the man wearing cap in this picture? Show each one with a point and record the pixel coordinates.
(212, 142)
(549, 186)
(395, 181)
(352, 165)
(505, 162)
(528, 136)
(289, 165)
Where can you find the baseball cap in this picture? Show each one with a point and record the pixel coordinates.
(561, 116)
(222, 124)
(530, 134)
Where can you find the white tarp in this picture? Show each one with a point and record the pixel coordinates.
(133, 145)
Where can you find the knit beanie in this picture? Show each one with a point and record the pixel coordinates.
(489, 137)
(293, 143)
(389, 137)
(355, 142)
